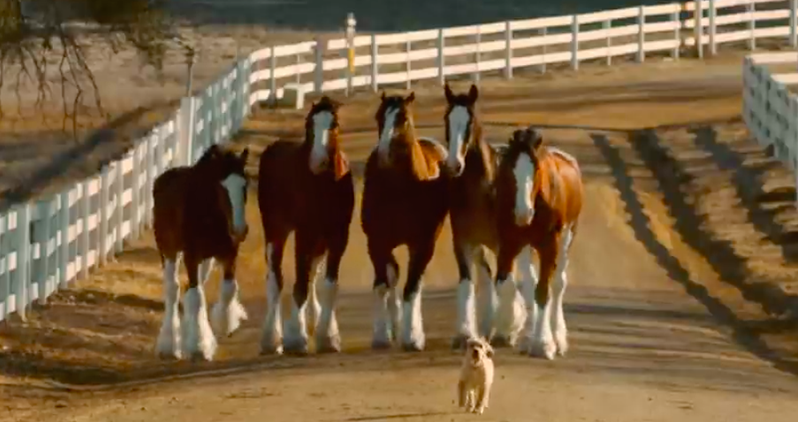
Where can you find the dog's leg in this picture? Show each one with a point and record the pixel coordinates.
(461, 394)
(481, 401)
(470, 403)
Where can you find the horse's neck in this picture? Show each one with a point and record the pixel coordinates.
(482, 150)
(410, 156)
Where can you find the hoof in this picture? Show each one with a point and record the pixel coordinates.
(199, 357)
(543, 350)
(295, 348)
(271, 350)
(327, 344)
(412, 347)
(380, 344)
(502, 342)
(173, 356)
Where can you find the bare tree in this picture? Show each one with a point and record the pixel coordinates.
(31, 31)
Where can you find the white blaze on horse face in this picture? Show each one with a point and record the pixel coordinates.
(459, 118)
(322, 122)
(524, 173)
(389, 119)
(235, 185)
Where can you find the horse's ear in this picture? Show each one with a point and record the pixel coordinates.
(382, 97)
(448, 91)
(336, 104)
(410, 98)
(213, 150)
(473, 94)
(244, 154)
(533, 138)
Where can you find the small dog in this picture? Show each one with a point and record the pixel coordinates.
(476, 376)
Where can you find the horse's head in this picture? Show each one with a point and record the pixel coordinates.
(225, 167)
(321, 129)
(394, 120)
(523, 152)
(459, 120)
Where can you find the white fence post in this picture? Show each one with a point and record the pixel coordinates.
(477, 54)
(793, 23)
(5, 273)
(85, 211)
(607, 26)
(350, 51)
(641, 34)
(42, 234)
(120, 205)
(543, 32)
(698, 29)
(102, 244)
(23, 259)
(441, 57)
(375, 70)
(676, 34)
(751, 8)
(65, 252)
(272, 81)
(575, 42)
(713, 47)
(408, 64)
(318, 72)
(508, 50)
(134, 206)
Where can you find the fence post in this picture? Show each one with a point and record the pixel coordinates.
(793, 23)
(149, 160)
(641, 34)
(543, 53)
(64, 253)
(136, 204)
(698, 29)
(350, 51)
(676, 33)
(408, 64)
(508, 52)
(375, 72)
(607, 26)
(318, 72)
(272, 79)
(441, 57)
(23, 259)
(751, 8)
(478, 39)
(102, 243)
(42, 234)
(575, 42)
(85, 203)
(713, 49)
(120, 204)
(5, 273)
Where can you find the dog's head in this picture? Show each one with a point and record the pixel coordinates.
(477, 351)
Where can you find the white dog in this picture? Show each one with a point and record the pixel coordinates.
(476, 376)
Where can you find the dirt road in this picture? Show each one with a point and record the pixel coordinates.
(679, 305)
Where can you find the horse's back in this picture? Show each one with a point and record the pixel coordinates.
(168, 194)
(570, 176)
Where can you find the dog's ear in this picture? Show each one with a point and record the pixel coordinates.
(471, 342)
(488, 350)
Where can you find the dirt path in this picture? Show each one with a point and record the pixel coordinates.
(679, 304)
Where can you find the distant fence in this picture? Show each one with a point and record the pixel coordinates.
(770, 109)
(46, 244)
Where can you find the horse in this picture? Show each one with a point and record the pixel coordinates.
(305, 188)
(472, 164)
(404, 202)
(198, 213)
(539, 193)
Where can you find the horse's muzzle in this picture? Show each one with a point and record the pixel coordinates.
(523, 219)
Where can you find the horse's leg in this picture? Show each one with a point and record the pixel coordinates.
(386, 272)
(328, 338)
(508, 251)
(205, 268)
(228, 313)
(412, 321)
(168, 343)
(466, 308)
(560, 283)
(314, 308)
(529, 282)
(486, 298)
(511, 313)
(296, 333)
(542, 343)
(272, 335)
(199, 342)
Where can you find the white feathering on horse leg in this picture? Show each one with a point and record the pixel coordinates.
(272, 325)
(228, 313)
(199, 339)
(295, 339)
(413, 326)
(168, 343)
(466, 310)
(510, 315)
(487, 305)
(382, 337)
(328, 339)
(542, 342)
(314, 308)
(394, 303)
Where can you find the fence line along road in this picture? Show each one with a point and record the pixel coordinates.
(48, 243)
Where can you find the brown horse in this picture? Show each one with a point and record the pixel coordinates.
(305, 188)
(404, 203)
(472, 166)
(199, 212)
(539, 199)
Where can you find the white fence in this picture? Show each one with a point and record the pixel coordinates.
(770, 109)
(46, 244)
